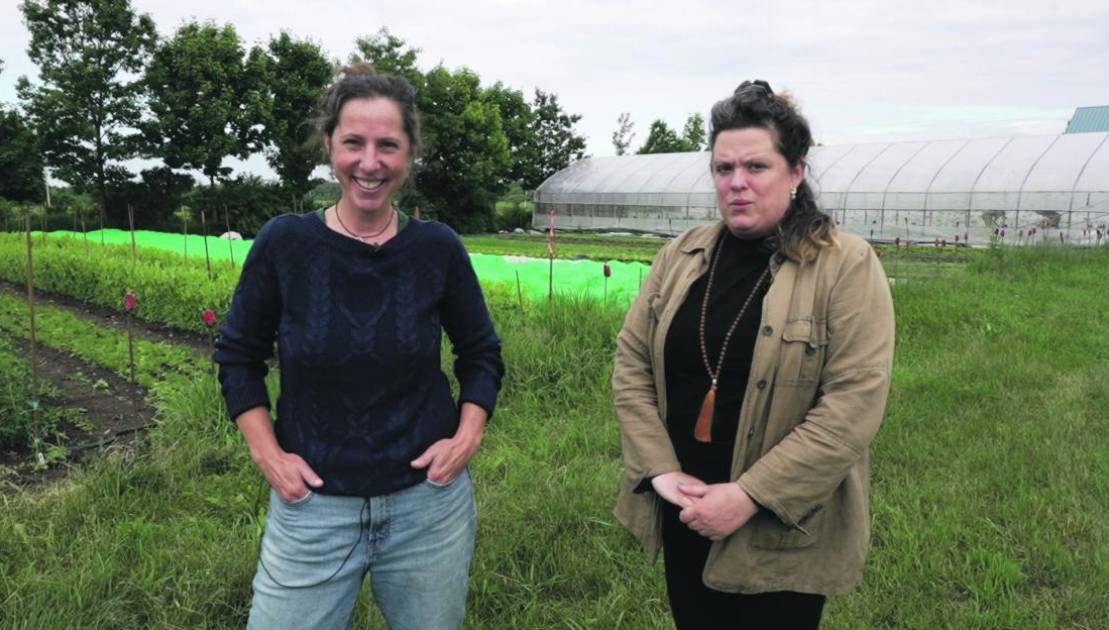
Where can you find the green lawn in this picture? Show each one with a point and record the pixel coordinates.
(990, 494)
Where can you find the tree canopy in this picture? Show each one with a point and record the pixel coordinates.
(111, 91)
(477, 140)
(624, 134)
(554, 132)
(21, 177)
(89, 54)
(662, 139)
(296, 73)
(206, 100)
(694, 132)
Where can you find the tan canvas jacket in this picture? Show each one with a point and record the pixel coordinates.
(817, 392)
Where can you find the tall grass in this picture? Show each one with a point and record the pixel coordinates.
(990, 495)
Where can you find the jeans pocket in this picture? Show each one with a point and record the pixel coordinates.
(298, 502)
(436, 484)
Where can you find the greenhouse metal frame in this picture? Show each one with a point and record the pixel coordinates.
(970, 191)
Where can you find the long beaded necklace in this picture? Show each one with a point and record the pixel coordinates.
(365, 238)
(702, 431)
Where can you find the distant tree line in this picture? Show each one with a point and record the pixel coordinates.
(112, 90)
(660, 137)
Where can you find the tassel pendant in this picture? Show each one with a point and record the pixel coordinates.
(702, 431)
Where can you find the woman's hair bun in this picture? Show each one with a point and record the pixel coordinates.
(359, 69)
(758, 87)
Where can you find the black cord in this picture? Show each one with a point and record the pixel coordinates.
(361, 530)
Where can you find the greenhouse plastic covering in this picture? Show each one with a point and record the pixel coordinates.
(973, 189)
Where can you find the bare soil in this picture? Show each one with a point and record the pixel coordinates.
(111, 411)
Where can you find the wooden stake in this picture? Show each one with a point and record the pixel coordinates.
(31, 309)
(84, 234)
(207, 259)
(227, 224)
(131, 222)
(131, 347)
(519, 291)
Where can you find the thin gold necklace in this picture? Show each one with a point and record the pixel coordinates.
(365, 238)
(702, 431)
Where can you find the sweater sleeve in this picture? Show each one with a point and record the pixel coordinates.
(247, 336)
(477, 348)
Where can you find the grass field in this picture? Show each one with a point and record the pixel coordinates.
(990, 494)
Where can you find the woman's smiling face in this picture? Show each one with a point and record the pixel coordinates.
(753, 181)
(370, 153)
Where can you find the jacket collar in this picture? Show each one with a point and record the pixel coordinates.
(703, 240)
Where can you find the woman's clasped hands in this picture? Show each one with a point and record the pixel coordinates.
(714, 511)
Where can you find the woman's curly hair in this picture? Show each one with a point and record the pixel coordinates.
(804, 229)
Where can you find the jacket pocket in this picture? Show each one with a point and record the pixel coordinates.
(769, 532)
(804, 344)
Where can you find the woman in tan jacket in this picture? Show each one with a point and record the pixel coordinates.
(751, 376)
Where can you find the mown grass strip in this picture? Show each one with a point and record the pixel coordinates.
(63, 330)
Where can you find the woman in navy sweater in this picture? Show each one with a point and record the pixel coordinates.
(367, 457)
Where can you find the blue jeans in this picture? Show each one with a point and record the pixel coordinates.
(415, 543)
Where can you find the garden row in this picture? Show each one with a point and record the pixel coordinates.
(26, 423)
(39, 427)
(170, 289)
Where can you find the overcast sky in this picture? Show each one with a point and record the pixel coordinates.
(862, 70)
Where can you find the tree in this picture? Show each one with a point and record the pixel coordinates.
(557, 142)
(86, 106)
(518, 122)
(208, 102)
(21, 176)
(297, 72)
(694, 132)
(623, 136)
(466, 163)
(390, 54)
(662, 139)
(155, 196)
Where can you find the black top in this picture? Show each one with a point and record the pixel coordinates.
(687, 381)
(358, 331)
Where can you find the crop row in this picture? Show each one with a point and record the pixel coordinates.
(171, 290)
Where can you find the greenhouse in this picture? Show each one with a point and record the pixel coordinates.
(968, 191)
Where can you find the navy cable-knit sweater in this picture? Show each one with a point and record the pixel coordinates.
(358, 337)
